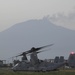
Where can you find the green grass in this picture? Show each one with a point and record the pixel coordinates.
(62, 72)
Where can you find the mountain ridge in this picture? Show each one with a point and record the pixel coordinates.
(23, 36)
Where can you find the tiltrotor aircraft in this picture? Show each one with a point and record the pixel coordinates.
(35, 64)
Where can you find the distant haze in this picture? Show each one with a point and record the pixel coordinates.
(35, 33)
(16, 11)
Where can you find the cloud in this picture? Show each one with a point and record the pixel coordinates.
(64, 20)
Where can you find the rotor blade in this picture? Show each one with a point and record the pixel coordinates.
(38, 52)
(33, 49)
(42, 51)
(44, 47)
(15, 56)
(23, 53)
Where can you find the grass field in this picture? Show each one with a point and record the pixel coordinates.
(60, 72)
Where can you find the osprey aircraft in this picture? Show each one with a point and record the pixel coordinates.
(35, 64)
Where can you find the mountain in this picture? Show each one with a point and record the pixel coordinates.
(35, 33)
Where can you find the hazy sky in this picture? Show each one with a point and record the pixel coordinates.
(61, 12)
